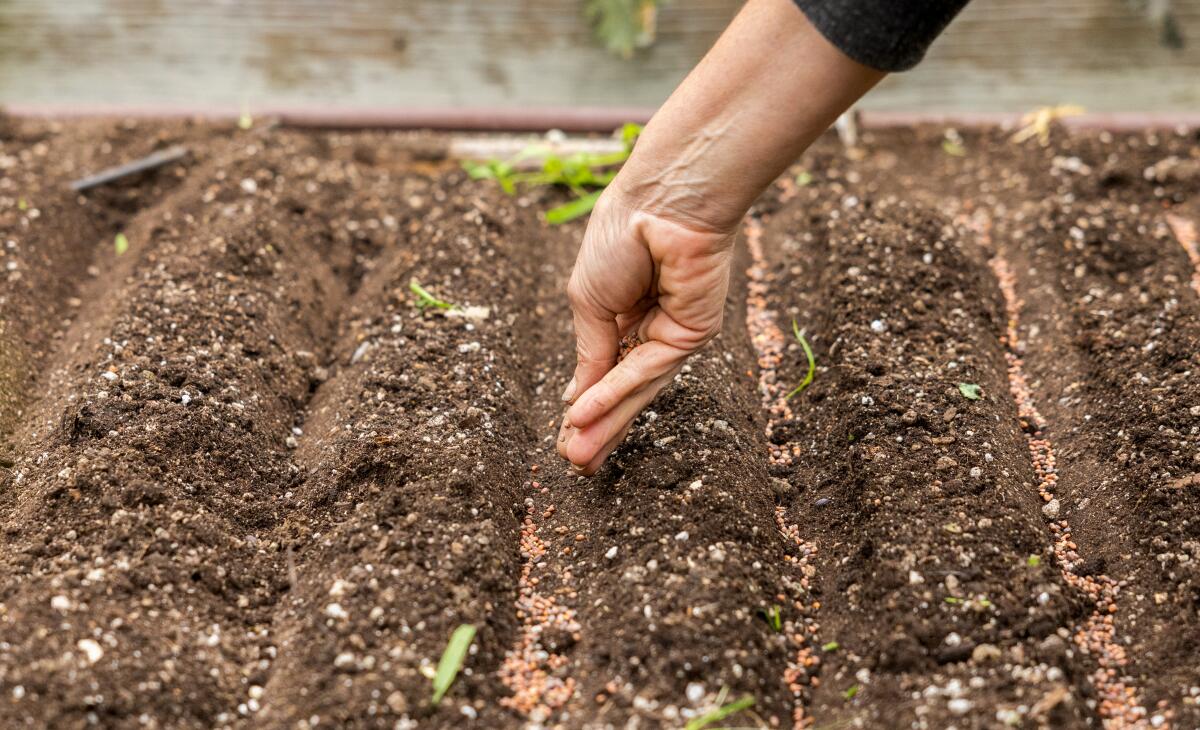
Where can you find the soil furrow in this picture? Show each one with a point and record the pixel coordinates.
(1113, 331)
(940, 603)
(413, 457)
(138, 576)
(769, 345)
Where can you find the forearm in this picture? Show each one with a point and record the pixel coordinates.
(769, 87)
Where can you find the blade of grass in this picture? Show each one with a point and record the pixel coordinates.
(452, 660)
(812, 362)
(719, 713)
(120, 244)
(570, 211)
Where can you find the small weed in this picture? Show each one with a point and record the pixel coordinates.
(812, 364)
(774, 617)
(804, 178)
(452, 660)
(970, 391)
(585, 174)
(984, 602)
(721, 711)
(831, 646)
(426, 300)
(953, 600)
(22, 204)
(850, 693)
(120, 244)
(1033, 561)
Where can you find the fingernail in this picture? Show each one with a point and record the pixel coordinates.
(569, 394)
(578, 469)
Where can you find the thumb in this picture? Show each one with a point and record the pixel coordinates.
(597, 342)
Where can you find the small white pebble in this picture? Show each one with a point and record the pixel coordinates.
(695, 692)
(249, 185)
(879, 326)
(682, 536)
(91, 648)
(60, 603)
(185, 398)
(611, 553)
(959, 705)
(335, 610)
(109, 375)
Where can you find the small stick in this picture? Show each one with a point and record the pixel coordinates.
(149, 162)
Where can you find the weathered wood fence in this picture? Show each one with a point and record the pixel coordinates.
(1000, 55)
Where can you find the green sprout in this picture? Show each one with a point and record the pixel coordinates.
(452, 660)
(1033, 561)
(953, 600)
(812, 362)
(831, 646)
(121, 244)
(774, 617)
(804, 178)
(970, 391)
(585, 174)
(984, 602)
(22, 204)
(851, 692)
(721, 711)
(425, 299)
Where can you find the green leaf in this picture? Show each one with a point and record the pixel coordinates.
(952, 600)
(720, 713)
(630, 131)
(570, 211)
(953, 148)
(851, 692)
(812, 362)
(452, 660)
(970, 391)
(425, 299)
(831, 646)
(121, 244)
(804, 178)
(1033, 561)
(22, 204)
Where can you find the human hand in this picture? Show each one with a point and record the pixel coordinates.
(640, 274)
(656, 255)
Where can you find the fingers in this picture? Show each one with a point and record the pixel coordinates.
(643, 365)
(587, 447)
(597, 342)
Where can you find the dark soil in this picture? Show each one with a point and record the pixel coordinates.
(247, 482)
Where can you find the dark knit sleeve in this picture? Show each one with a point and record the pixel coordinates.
(889, 35)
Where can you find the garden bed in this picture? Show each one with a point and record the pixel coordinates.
(248, 481)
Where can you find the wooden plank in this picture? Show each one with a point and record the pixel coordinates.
(1000, 55)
